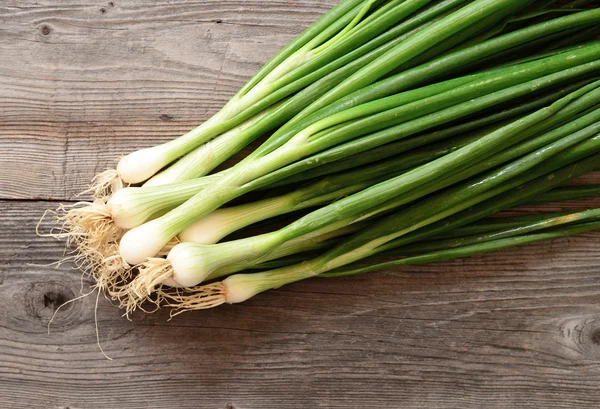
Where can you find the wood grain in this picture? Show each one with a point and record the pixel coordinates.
(84, 82)
(516, 329)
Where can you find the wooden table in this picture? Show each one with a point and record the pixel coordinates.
(83, 82)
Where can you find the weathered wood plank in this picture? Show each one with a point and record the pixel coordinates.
(515, 329)
(83, 83)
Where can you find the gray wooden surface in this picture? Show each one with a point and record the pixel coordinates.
(82, 82)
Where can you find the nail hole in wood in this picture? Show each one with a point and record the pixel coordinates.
(165, 117)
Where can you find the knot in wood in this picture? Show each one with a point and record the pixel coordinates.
(583, 335)
(595, 336)
(43, 299)
(45, 29)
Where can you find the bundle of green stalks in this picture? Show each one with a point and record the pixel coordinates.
(398, 130)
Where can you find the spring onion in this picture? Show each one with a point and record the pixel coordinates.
(191, 264)
(240, 287)
(145, 241)
(400, 129)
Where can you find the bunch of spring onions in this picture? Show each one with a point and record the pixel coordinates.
(397, 129)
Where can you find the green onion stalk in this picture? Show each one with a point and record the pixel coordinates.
(101, 224)
(189, 264)
(420, 144)
(198, 258)
(350, 68)
(281, 64)
(486, 225)
(439, 67)
(188, 166)
(515, 196)
(132, 206)
(206, 157)
(316, 241)
(333, 42)
(192, 166)
(470, 249)
(352, 35)
(568, 193)
(223, 221)
(367, 243)
(240, 287)
(365, 127)
(482, 228)
(471, 193)
(486, 230)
